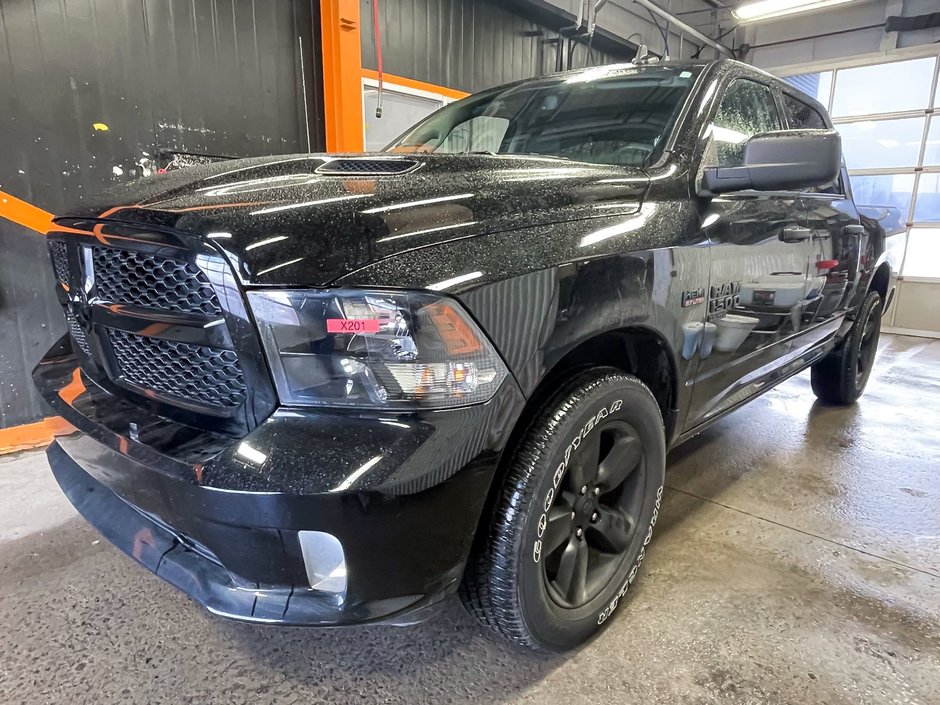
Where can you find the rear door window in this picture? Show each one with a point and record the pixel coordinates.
(801, 116)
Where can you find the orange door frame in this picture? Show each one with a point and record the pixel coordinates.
(342, 75)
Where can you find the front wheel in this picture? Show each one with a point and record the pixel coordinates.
(574, 515)
(841, 376)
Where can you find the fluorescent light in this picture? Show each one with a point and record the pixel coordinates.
(415, 204)
(278, 266)
(363, 469)
(727, 135)
(772, 9)
(307, 204)
(251, 454)
(634, 223)
(447, 283)
(267, 241)
(426, 231)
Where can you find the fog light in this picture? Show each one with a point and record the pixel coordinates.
(324, 561)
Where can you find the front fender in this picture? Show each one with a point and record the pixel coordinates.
(539, 293)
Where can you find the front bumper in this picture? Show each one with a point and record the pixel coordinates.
(219, 517)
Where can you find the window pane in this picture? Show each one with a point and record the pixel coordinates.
(817, 85)
(480, 134)
(932, 152)
(747, 109)
(605, 115)
(879, 144)
(401, 111)
(901, 85)
(801, 116)
(894, 247)
(927, 207)
(923, 253)
(892, 192)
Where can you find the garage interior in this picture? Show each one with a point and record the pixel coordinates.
(797, 556)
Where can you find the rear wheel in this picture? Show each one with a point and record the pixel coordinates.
(574, 516)
(841, 376)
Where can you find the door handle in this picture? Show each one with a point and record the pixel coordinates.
(795, 234)
(854, 230)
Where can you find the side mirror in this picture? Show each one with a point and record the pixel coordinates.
(783, 160)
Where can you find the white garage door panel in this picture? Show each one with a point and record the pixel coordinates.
(918, 306)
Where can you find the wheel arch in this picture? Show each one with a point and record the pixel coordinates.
(637, 350)
(881, 282)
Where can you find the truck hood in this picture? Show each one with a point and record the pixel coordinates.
(307, 220)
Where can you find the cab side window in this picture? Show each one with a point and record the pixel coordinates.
(801, 116)
(747, 109)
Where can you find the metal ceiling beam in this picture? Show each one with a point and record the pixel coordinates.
(687, 28)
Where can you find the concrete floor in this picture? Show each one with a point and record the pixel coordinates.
(797, 560)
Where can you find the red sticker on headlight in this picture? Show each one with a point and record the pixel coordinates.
(352, 325)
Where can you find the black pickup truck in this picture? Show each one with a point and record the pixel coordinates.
(334, 389)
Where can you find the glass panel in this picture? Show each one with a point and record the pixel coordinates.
(604, 115)
(801, 116)
(479, 134)
(927, 207)
(890, 192)
(818, 85)
(923, 253)
(894, 247)
(880, 144)
(901, 85)
(747, 109)
(399, 112)
(932, 152)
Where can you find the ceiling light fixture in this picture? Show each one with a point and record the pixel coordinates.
(772, 9)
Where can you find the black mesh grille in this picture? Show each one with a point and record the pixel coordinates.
(368, 166)
(188, 372)
(78, 335)
(60, 261)
(125, 277)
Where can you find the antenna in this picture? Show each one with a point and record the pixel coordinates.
(643, 56)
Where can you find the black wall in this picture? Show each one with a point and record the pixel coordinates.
(470, 45)
(219, 77)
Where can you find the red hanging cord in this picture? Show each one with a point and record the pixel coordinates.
(378, 53)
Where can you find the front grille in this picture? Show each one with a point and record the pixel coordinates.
(60, 261)
(371, 167)
(186, 372)
(78, 335)
(126, 277)
(130, 310)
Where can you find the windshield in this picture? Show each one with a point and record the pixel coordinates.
(608, 115)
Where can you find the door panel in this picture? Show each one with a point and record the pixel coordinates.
(761, 249)
(756, 299)
(839, 242)
(834, 223)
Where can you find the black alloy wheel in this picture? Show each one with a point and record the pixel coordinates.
(868, 346)
(574, 513)
(593, 519)
(841, 376)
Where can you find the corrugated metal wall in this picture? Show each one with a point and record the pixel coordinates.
(216, 77)
(468, 45)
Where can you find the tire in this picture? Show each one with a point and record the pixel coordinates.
(841, 376)
(525, 581)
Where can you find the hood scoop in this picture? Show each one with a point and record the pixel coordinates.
(367, 166)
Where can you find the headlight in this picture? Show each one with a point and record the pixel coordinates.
(375, 349)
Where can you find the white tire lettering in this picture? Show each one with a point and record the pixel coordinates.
(560, 471)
